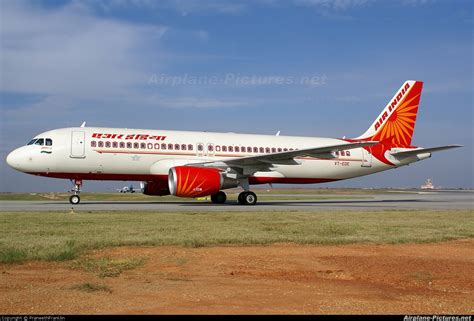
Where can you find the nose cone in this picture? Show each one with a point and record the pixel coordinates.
(13, 159)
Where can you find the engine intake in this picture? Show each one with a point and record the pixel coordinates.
(189, 181)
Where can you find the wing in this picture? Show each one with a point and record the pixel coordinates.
(283, 158)
(414, 152)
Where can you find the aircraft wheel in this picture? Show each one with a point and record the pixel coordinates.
(247, 198)
(219, 198)
(74, 199)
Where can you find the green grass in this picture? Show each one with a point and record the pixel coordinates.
(108, 267)
(59, 236)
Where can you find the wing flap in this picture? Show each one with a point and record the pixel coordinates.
(287, 158)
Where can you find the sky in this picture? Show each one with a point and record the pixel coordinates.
(322, 68)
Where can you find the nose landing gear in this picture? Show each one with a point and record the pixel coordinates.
(75, 199)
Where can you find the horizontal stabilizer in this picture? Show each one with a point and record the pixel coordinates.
(414, 152)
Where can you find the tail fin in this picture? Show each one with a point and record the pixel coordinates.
(396, 123)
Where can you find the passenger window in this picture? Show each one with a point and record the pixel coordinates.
(142, 145)
(262, 150)
(93, 143)
(255, 149)
(40, 141)
(49, 142)
(200, 147)
(122, 145)
(237, 149)
(218, 148)
(114, 144)
(279, 150)
(348, 153)
(163, 146)
(149, 146)
(136, 145)
(101, 144)
(176, 146)
(183, 146)
(224, 148)
(190, 147)
(231, 149)
(267, 150)
(129, 145)
(107, 144)
(274, 150)
(170, 146)
(157, 145)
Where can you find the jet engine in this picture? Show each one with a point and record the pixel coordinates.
(189, 181)
(157, 188)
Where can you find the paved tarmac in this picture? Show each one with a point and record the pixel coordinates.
(389, 200)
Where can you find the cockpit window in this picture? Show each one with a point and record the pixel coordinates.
(40, 141)
(31, 142)
(49, 142)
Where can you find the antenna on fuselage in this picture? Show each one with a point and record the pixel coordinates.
(83, 124)
(278, 133)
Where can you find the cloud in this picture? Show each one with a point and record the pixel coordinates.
(338, 5)
(184, 7)
(68, 51)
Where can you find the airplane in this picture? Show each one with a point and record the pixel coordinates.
(129, 189)
(198, 164)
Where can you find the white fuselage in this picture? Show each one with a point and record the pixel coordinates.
(147, 155)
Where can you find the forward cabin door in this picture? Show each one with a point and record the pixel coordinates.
(366, 157)
(78, 144)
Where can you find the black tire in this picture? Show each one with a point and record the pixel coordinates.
(219, 198)
(74, 199)
(247, 198)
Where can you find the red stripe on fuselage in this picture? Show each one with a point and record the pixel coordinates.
(254, 180)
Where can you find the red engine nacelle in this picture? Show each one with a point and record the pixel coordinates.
(158, 188)
(188, 181)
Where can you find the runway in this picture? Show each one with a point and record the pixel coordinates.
(389, 200)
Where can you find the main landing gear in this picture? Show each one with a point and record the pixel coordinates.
(75, 199)
(245, 198)
(219, 198)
